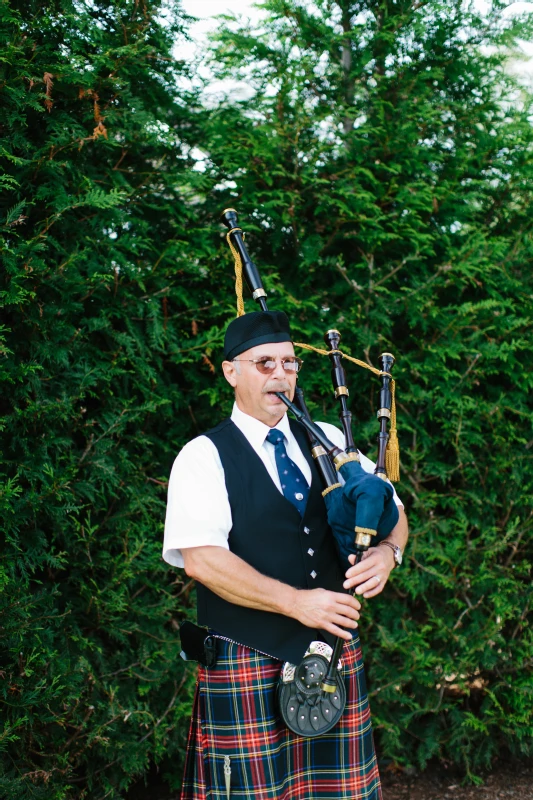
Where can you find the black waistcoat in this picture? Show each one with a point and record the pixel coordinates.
(269, 534)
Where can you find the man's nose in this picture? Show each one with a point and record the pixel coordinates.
(279, 372)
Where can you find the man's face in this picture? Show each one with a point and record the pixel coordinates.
(254, 391)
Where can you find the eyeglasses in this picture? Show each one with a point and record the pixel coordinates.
(267, 364)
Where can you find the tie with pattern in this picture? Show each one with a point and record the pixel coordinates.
(293, 483)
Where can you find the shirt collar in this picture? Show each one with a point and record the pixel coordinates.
(254, 430)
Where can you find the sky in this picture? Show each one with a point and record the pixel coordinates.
(205, 11)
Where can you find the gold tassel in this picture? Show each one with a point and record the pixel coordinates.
(238, 272)
(392, 455)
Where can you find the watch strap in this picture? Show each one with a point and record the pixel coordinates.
(395, 548)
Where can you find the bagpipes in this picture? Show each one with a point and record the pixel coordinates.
(360, 506)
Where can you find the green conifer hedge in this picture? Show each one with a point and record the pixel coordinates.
(389, 180)
(382, 170)
(99, 290)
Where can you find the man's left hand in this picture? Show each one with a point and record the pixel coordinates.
(372, 573)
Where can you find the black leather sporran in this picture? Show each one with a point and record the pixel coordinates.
(305, 707)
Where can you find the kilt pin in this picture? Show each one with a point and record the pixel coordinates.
(236, 732)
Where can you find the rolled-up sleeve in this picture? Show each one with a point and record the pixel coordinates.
(198, 509)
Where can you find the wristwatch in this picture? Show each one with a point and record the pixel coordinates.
(396, 550)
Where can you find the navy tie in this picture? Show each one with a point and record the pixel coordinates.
(293, 483)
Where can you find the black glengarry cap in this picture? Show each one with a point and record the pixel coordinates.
(258, 327)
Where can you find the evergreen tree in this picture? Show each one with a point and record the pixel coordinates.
(99, 288)
(383, 166)
(382, 171)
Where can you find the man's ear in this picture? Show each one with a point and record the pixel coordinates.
(230, 372)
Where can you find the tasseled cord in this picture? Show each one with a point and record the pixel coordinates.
(392, 455)
(238, 271)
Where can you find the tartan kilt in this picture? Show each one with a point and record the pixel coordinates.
(235, 715)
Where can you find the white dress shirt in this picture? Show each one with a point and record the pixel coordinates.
(198, 509)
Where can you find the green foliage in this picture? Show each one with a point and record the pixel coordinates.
(382, 171)
(388, 179)
(94, 144)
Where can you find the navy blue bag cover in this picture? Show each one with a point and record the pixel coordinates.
(365, 500)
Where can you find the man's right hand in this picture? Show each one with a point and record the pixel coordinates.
(327, 611)
(236, 581)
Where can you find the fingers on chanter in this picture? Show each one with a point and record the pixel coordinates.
(336, 631)
(372, 593)
(344, 622)
(367, 574)
(348, 600)
(373, 590)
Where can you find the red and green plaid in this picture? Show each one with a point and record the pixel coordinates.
(235, 724)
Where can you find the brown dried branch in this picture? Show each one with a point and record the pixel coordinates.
(48, 82)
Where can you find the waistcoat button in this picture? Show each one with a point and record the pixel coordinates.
(307, 530)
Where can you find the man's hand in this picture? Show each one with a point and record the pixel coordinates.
(236, 581)
(328, 611)
(372, 573)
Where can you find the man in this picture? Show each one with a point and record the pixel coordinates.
(246, 519)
